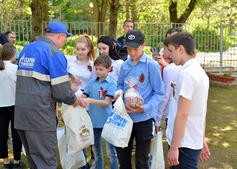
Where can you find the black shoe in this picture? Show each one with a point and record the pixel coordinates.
(21, 165)
(8, 166)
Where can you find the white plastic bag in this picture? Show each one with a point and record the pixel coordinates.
(156, 160)
(118, 127)
(68, 161)
(79, 128)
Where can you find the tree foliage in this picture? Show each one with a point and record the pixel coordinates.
(10, 9)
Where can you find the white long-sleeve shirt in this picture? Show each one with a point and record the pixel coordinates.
(170, 74)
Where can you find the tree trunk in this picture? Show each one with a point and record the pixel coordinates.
(183, 18)
(173, 11)
(45, 10)
(114, 6)
(127, 10)
(40, 13)
(100, 14)
(134, 10)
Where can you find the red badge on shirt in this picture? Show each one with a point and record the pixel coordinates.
(89, 68)
(102, 92)
(142, 78)
(111, 69)
(172, 85)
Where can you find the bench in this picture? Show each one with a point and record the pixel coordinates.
(221, 78)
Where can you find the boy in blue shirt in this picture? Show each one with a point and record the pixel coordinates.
(151, 89)
(98, 94)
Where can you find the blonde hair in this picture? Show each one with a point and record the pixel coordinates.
(85, 39)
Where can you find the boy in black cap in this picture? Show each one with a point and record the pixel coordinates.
(150, 87)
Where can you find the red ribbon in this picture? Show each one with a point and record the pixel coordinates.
(135, 86)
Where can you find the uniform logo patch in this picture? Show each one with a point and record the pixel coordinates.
(26, 62)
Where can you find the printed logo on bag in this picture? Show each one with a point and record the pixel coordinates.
(150, 160)
(102, 92)
(116, 120)
(84, 133)
(131, 37)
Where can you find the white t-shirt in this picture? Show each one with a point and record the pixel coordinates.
(85, 72)
(8, 84)
(192, 84)
(115, 68)
(170, 74)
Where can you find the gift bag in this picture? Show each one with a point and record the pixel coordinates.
(132, 96)
(68, 161)
(156, 160)
(118, 127)
(79, 128)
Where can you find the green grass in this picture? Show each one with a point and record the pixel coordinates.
(221, 130)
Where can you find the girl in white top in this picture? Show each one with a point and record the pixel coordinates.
(81, 65)
(7, 102)
(106, 47)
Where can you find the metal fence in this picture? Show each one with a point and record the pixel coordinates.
(216, 43)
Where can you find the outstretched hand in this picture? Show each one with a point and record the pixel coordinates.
(85, 102)
(77, 102)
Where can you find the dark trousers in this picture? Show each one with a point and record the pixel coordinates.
(7, 115)
(142, 132)
(40, 147)
(188, 159)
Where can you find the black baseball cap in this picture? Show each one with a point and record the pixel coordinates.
(134, 39)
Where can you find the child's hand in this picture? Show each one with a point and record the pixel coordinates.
(117, 94)
(162, 61)
(77, 81)
(155, 56)
(77, 102)
(115, 97)
(205, 153)
(85, 102)
(138, 109)
(157, 129)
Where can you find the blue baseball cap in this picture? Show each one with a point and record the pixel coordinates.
(57, 27)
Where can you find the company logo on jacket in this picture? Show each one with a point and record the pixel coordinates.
(26, 62)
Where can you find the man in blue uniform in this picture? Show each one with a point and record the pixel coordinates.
(42, 80)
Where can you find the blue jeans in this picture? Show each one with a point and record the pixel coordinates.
(97, 149)
(188, 159)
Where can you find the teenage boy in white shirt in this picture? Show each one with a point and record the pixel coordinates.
(186, 128)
